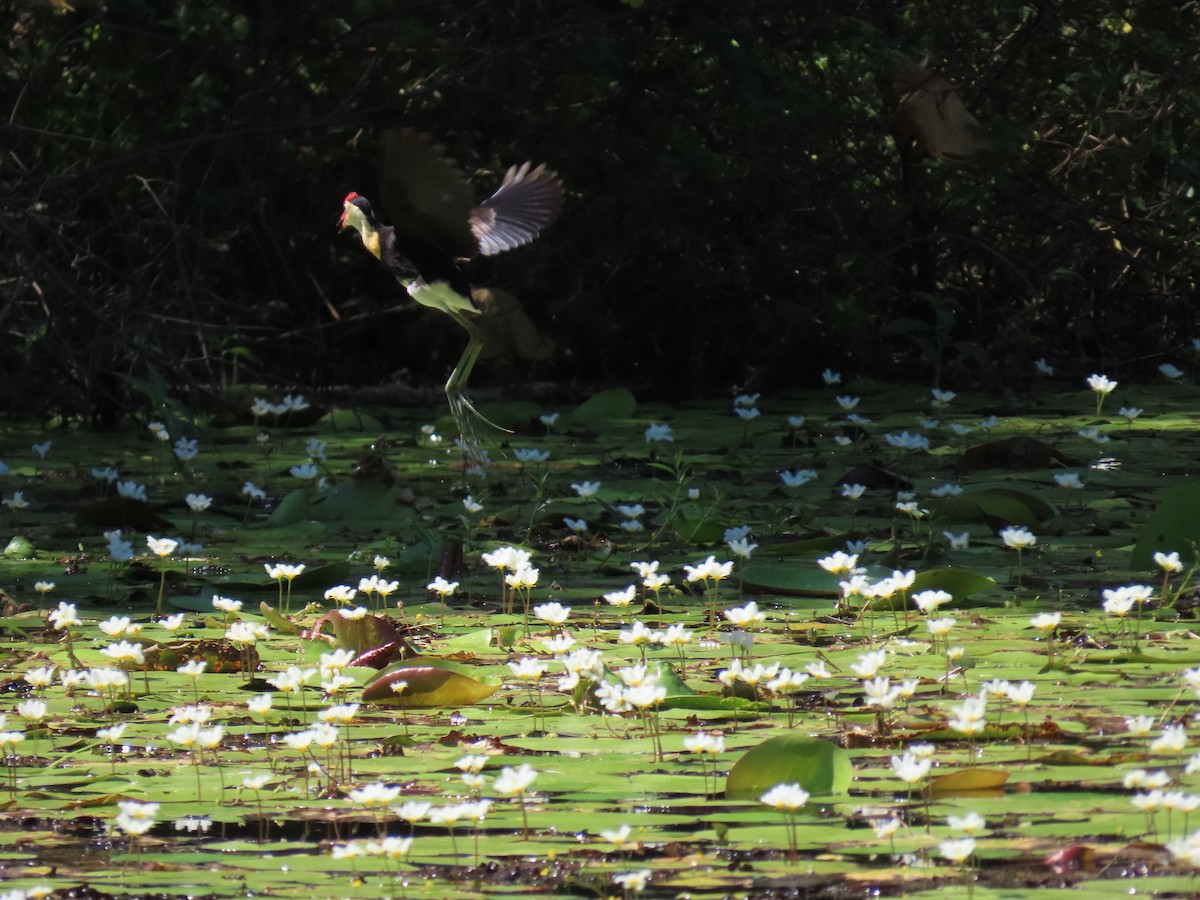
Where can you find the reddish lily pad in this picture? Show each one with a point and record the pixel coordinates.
(429, 682)
(375, 639)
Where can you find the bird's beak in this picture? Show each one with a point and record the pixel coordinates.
(342, 226)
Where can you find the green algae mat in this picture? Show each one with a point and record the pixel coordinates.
(861, 640)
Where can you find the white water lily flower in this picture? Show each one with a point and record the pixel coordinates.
(515, 780)
(1018, 537)
(957, 850)
(1168, 562)
(790, 797)
(910, 768)
(1046, 622)
(972, 823)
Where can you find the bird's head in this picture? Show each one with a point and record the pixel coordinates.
(357, 216)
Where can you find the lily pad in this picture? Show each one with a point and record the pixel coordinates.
(430, 682)
(968, 780)
(815, 546)
(698, 525)
(616, 403)
(806, 580)
(1173, 526)
(278, 620)
(816, 765)
(358, 500)
(121, 512)
(996, 507)
(1019, 452)
(312, 578)
(374, 639)
(959, 583)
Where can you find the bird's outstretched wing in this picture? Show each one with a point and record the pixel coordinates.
(425, 195)
(526, 202)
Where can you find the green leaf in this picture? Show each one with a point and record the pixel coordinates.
(616, 403)
(960, 583)
(815, 547)
(121, 512)
(695, 525)
(1174, 525)
(713, 703)
(996, 507)
(319, 577)
(816, 765)
(349, 420)
(806, 580)
(293, 508)
(669, 679)
(356, 501)
(316, 578)
(277, 620)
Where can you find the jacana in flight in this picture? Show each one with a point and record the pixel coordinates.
(436, 229)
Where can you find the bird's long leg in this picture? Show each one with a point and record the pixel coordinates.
(466, 416)
(457, 382)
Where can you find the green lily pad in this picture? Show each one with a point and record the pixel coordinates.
(315, 578)
(816, 765)
(806, 580)
(357, 500)
(668, 678)
(1173, 526)
(121, 512)
(996, 507)
(615, 403)
(814, 547)
(713, 703)
(959, 583)
(278, 620)
(698, 525)
(339, 420)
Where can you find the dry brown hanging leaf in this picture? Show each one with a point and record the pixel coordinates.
(930, 112)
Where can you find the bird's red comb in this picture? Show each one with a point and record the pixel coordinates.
(350, 198)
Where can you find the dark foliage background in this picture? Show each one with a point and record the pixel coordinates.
(740, 213)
